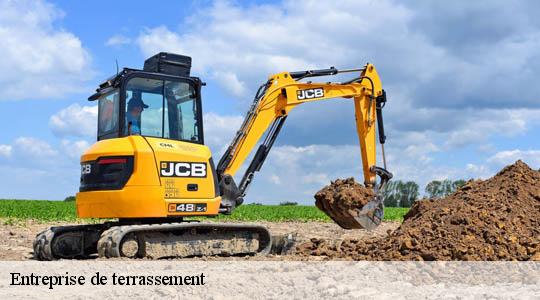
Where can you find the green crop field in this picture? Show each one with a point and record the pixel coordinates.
(65, 211)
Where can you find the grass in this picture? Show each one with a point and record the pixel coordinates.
(65, 211)
(38, 210)
(275, 213)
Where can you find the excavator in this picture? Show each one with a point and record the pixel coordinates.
(150, 171)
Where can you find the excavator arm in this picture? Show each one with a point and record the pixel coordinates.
(271, 106)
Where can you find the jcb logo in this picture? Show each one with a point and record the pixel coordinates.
(310, 94)
(182, 169)
(86, 169)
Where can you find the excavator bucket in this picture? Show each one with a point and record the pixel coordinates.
(350, 204)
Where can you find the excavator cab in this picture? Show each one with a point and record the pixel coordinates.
(150, 160)
(159, 101)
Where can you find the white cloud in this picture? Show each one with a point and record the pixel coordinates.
(75, 120)
(228, 38)
(255, 41)
(502, 158)
(225, 50)
(43, 60)
(117, 40)
(33, 148)
(319, 178)
(52, 170)
(51, 184)
(160, 39)
(74, 149)
(275, 179)
(421, 151)
(442, 97)
(478, 171)
(229, 81)
(239, 53)
(219, 131)
(479, 125)
(444, 94)
(5, 150)
(301, 171)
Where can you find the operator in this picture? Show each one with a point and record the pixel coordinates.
(134, 109)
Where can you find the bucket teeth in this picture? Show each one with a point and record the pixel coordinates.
(350, 204)
(368, 217)
(371, 215)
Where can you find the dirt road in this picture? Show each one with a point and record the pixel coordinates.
(16, 240)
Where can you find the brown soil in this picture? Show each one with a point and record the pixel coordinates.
(494, 219)
(341, 201)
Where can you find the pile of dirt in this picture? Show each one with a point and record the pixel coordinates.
(341, 201)
(494, 219)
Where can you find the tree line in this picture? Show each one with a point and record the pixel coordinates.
(398, 193)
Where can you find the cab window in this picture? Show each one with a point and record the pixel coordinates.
(144, 107)
(181, 112)
(108, 113)
(158, 108)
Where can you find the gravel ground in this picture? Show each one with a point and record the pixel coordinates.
(16, 239)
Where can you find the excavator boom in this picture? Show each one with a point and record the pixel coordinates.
(271, 106)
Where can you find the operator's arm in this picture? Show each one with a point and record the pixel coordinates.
(132, 126)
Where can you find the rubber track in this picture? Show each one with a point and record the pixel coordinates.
(111, 240)
(43, 243)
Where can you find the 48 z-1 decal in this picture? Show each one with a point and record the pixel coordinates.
(182, 169)
(187, 207)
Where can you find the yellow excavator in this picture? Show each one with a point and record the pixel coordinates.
(150, 168)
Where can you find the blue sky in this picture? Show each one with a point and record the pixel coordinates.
(461, 79)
